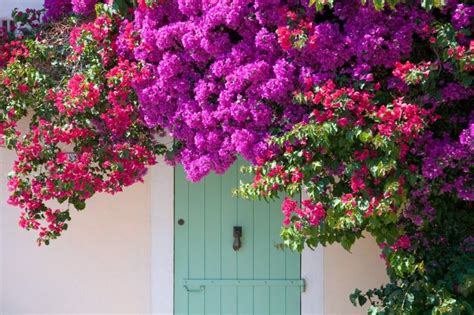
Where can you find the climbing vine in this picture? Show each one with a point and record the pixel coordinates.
(70, 113)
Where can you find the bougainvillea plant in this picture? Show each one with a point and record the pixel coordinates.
(364, 106)
(391, 155)
(70, 113)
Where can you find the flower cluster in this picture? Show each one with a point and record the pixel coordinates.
(56, 9)
(462, 16)
(310, 213)
(298, 33)
(441, 157)
(219, 78)
(86, 135)
(359, 188)
(212, 79)
(413, 74)
(12, 50)
(84, 7)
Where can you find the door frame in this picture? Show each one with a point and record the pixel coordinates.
(162, 251)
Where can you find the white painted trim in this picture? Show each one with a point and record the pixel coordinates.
(312, 271)
(162, 238)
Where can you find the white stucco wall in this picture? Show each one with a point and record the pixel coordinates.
(102, 264)
(344, 271)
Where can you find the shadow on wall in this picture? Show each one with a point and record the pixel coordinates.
(344, 271)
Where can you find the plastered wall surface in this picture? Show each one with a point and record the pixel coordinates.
(101, 265)
(344, 271)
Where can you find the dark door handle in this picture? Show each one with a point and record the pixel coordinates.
(237, 235)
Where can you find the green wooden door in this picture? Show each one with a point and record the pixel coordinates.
(210, 277)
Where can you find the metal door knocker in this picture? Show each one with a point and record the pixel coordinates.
(237, 235)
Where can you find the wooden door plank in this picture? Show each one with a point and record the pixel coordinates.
(229, 256)
(262, 256)
(245, 256)
(196, 239)
(277, 261)
(213, 217)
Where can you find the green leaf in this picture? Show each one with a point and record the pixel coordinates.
(379, 4)
(79, 204)
(427, 4)
(355, 296)
(439, 3)
(362, 300)
(365, 137)
(373, 310)
(347, 241)
(393, 3)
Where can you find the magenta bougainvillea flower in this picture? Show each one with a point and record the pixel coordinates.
(84, 7)
(217, 76)
(56, 9)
